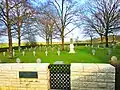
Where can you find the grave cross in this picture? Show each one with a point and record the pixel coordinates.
(18, 60)
(38, 60)
(3, 53)
(34, 53)
(13, 53)
(86, 45)
(58, 52)
(98, 46)
(46, 53)
(93, 51)
(109, 51)
(23, 53)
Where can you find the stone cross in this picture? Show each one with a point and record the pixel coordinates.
(3, 53)
(19, 49)
(109, 51)
(13, 53)
(18, 60)
(38, 60)
(114, 58)
(23, 53)
(46, 53)
(92, 46)
(26, 48)
(52, 48)
(93, 51)
(7, 50)
(58, 52)
(104, 46)
(40, 48)
(34, 53)
(35, 48)
(98, 46)
(29, 49)
(86, 45)
(71, 46)
(114, 46)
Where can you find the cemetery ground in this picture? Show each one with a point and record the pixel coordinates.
(83, 55)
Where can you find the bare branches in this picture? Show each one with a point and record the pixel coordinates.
(106, 17)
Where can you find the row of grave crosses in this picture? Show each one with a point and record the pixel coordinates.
(34, 53)
(98, 46)
(46, 52)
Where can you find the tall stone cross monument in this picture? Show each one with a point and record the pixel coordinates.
(71, 46)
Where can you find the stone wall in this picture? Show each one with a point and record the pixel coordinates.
(9, 77)
(83, 76)
(92, 76)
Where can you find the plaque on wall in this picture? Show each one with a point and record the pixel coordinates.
(29, 74)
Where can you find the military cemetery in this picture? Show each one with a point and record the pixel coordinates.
(59, 44)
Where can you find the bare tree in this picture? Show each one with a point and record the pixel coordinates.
(45, 27)
(5, 16)
(65, 16)
(29, 32)
(89, 32)
(94, 25)
(21, 11)
(106, 12)
(44, 24)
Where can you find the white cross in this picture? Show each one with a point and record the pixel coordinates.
(38, 60)
(7, 50)
(93, 52)
(19, 49)
(46, 53)
(58, 53)
(98, 46)
(34, 53)
(13, 53)
(23, 53)
(86, 45)
(3, 53)
(92, 46)
(18, 60)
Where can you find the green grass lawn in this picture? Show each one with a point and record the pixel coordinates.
(82, 55)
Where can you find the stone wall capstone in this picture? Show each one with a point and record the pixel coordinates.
(92, 76)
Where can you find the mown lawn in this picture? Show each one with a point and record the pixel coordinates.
(82, 55)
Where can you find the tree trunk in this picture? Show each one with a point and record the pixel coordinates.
(9, 29)
(47, 41)
(51, 40)
(19, 38)
(101, 37)
(62, 37)
(106, 39)
(91, 40)
(10, 42)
